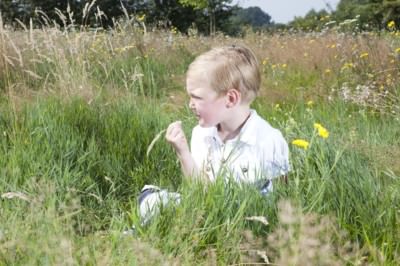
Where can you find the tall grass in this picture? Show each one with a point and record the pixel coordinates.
(78, 110)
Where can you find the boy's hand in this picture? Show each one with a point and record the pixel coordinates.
(177, 138)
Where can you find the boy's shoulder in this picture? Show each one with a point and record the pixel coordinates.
(258, 130)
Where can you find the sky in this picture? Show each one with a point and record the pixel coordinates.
(283, 11)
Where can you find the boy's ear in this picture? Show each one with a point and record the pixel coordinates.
(233, 97)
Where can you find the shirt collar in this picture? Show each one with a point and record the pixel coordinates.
(246, 135)
(249, 130)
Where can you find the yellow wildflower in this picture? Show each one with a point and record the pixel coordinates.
(364, 55)
(324, 18)
(397, 50)
(284, 65)
(347, 65)
(141, 18)
(327, 71)
(391, 24)
(322, 132)
(301, 143)
(174, 30)
(264, 62)
(310, 103)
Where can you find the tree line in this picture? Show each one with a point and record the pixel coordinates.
(206, 16)
(361, 15)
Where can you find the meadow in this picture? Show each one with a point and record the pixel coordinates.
(79, 109)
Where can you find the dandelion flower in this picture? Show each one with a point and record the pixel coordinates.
(284, 65)
(301, 143)
(310, 103)
(364, 55)
(322, 132)
(397, 50)
(391, 24)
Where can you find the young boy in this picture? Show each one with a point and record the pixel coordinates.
(231, 140)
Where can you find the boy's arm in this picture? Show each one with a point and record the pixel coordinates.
(176, 137)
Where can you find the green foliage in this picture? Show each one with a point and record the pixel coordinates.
(312, 21)
(251, 17)
(77, 118)
(196, 4)
(206, 16)
(369, 15)
(82, 165)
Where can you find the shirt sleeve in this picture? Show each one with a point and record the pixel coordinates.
(277, 163)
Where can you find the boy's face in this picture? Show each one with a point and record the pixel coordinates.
(206, 104)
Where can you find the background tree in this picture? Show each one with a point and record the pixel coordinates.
(11, 10)
(391, 12)
(251, 17)
(312, 21)
(369, 12)
(211, 8)
(168, 13)
(373, 14)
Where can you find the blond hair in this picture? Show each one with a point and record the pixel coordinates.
(229, 67)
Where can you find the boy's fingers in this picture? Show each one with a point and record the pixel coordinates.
(174, 135)
(176, 124)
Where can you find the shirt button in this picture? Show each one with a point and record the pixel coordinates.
(208, 169)
(244, 170)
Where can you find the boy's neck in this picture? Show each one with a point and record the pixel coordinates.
(231, 127)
